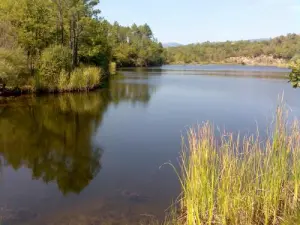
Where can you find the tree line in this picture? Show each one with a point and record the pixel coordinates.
(135, 46)
(62, 44)
(283, 47)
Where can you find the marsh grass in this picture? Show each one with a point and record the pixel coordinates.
(240, 180)
(113, 68)
(82, 78)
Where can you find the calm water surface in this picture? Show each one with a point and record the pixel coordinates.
(95, 158)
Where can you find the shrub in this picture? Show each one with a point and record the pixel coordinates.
(12, 66)
(295, 74)
(296, 57)
(53, 61)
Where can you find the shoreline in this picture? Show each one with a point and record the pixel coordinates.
(9, 92)
(27, 90)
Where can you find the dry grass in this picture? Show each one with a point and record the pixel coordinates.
(240, 181)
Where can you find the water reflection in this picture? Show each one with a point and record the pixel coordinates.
(53, 135)
(130, 92)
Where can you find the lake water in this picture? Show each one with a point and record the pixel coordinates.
(95, 158)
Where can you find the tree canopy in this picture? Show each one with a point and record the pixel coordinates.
(31, 29)
(134, 46)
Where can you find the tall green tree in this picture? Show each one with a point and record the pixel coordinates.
(33, 22)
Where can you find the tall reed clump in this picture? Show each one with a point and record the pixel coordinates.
(241, 180)
(82, 78)
(85, 78)
(113, 68)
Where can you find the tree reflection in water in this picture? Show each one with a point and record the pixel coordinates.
(52, 135)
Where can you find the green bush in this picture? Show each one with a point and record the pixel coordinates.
(295, 74)
(12, 66)
(296, 57)
(54, 60)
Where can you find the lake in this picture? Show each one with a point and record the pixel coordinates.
(96, 158)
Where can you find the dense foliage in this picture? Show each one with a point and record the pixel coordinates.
(42, 39)
(135, 46)
(295, 74)
(283, 47)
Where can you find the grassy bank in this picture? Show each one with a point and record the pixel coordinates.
(80, 79)
(243, 180)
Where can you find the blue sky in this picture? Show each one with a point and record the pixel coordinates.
(190, 21)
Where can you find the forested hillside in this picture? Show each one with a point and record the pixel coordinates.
(134, 46)
(60, 45)
(280, 49)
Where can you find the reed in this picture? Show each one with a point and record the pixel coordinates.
(240, 180)
(85, 78)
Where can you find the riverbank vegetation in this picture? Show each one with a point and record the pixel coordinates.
(57, 45)
(295, 74)
(277, 51)
(241, 180)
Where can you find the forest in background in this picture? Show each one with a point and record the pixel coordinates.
(65, 45)
(279, 50)
(283, 51)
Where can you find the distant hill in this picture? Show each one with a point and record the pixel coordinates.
(265, 51)
(171, 44)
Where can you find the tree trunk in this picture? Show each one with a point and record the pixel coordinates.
(74, 40)
(61, 22)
